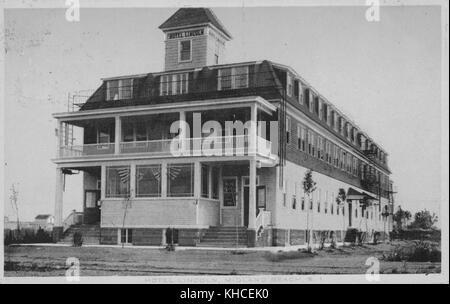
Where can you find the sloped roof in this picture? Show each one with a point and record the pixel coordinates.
(193, 16)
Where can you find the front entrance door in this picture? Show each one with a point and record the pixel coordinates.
(91, 207)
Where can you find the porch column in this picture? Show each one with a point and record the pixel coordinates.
(103, 182)
(183, 132)
(210, 182)
(251, 232)
(220, 193)
(197, 179)
(252, 196)
(59, 188)
(253, 128)
(132, 181)
(163, 179)
(59, 133)
(117, 135)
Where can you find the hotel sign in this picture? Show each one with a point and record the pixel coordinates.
(185, 34)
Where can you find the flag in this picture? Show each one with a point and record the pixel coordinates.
(174, 171)
(124, 174)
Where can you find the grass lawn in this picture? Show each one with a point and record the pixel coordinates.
(94, 261)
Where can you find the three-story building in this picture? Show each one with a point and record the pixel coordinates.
(212, 153)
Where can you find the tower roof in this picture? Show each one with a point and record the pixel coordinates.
(194, 16)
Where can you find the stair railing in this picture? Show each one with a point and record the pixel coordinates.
(73, 218)
(263, 219)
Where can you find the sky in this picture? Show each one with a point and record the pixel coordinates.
(384, 75)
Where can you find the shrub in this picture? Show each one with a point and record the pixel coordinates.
(419, 251)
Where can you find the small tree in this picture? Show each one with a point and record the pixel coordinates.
(400, 216)
(309, 186)
(424, 220)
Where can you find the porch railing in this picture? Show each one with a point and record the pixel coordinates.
(205, 146)
(86, 150)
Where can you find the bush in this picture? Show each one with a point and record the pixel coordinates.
(26, 236)
(419, 251)
(288, 255)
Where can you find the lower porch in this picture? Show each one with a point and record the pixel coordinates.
(130, 199)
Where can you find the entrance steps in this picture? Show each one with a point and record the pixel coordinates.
(89, 233)
(224, 237)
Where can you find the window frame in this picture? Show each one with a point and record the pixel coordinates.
(192, 185)
(119, 89)
(179, 50)
(233, 77)
(139, 167)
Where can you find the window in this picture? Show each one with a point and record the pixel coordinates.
(355, 166)
(119, 89)
(233, 78)
(180, 180)
(307, 97)
(174, 84)
(205, 181)
(288, 130)
(300, 92)
(261, 197)
(319, 147)
(284, 199)
(332, 208)
(349, 163)
(294, 202)
(312, 98)
(126, 236)
(289, 86)
(320, 108)
(185, 50)
(303, 203)
(316, 105)
(301, 133)
(229, 191)
(117, 181)
(148, 181)
(311, 144)
(328, 152)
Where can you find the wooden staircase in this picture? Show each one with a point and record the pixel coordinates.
(89, 233)
(224, 237)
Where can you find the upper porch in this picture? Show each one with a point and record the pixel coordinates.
(231, 127)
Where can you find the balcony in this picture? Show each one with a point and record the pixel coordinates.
(206, 146)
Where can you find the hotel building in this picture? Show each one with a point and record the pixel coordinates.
(148, 182)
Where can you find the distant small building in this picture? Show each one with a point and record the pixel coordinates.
(44, 221)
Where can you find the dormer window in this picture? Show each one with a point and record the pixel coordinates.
(289, 86)
(119, 89)
(174, 84)
(185, 50)
(233, 78)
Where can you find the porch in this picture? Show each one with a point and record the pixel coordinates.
(173, 194)
(228, 128)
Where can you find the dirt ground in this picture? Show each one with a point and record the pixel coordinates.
(23, 261)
